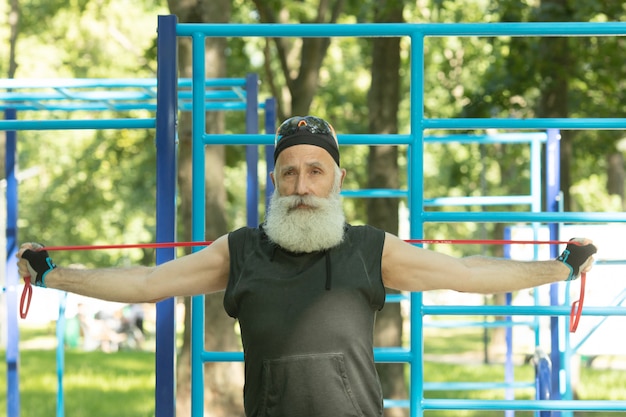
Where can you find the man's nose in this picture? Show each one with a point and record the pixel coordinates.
(302, 185)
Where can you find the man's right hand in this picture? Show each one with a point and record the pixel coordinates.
(34, 262)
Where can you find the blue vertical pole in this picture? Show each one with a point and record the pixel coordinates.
(252, 151)
(12, 277)
(166, 150)
(61, 326)
(198, 221)
(416, 209)
(553, 190)
(509, 371)
(270, 128)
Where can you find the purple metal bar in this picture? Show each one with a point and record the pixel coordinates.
(252, 151)
(270, 128)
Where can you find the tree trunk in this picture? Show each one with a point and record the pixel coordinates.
(223, 381)
(14, 20)
(302, 83)
(383, 172)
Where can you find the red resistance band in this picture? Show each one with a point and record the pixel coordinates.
(575, 313)
(27, 292)
(577, 306)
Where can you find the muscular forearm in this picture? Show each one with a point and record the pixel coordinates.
(201, 272)
(493, 275)
(126, 285)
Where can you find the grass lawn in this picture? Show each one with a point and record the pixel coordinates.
(597, 384)
(465, 347)
(121, 384)
(96, 384)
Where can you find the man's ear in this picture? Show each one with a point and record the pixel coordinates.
(272, 178)
(343, 177)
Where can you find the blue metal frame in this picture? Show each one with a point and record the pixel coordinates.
(419, 124)
(415, 140)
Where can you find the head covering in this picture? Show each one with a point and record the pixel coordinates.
(306, 130)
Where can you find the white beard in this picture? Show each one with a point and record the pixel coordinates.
(317, 227)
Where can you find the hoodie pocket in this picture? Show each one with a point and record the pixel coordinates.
(313, 385)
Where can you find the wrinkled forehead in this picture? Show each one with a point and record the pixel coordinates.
(305, 155)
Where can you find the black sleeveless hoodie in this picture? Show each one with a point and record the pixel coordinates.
(307, 324)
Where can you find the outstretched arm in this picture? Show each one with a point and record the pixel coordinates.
(409, 268)
(202, 272)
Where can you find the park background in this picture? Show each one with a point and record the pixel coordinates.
(99, 187)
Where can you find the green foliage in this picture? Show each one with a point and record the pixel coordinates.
(500, 77)
(86, 187)
(586, 200)
(86, 38)
(98, 187)
(89, 190)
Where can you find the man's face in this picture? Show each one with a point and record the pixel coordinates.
(305, 213)
(303, 170)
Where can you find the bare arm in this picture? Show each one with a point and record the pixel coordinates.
(409, 268)
(202, 272)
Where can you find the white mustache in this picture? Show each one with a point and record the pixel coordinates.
(294, 201)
